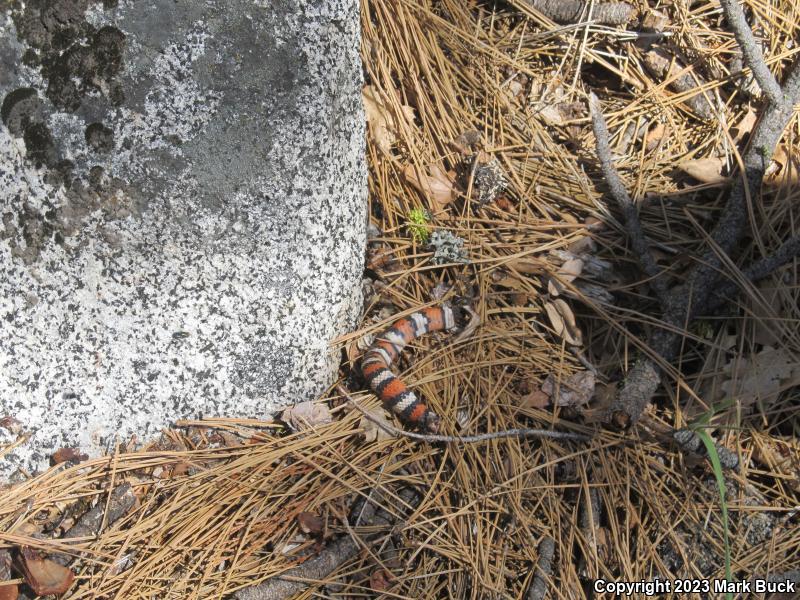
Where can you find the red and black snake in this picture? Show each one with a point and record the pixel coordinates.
(387, 347)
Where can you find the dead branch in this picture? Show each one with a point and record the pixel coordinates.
(664, 66)
(690, 442)
(751, 50)
(298, 579)
(626, 205)
(791, 576)
(121, 501)
(336, 554)
(684, 302)
(572, 11)
(465, 439)
(759, 270)
(543, 570)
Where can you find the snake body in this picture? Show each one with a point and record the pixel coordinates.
(375, 366)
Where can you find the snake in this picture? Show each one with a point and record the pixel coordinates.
(377, 360)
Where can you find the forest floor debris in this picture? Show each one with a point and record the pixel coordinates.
(228, 505)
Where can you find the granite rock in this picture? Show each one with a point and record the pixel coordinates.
(182, 212)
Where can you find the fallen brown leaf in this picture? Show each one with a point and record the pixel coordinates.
(509, 281)
(383, 124)
(434, 183)
(576, 390)
(180, 469)
(705, 170)
(655, 20)
(310, 523)
(44, 575)
(467, 141)
(225, 438)
(760, 377)
(11, 424)
(380, 580)
(745, 126)
(563, 321)
(63, 455)
(784, 169)
(526, 266)
(535, 399)
(566, 273)
(306, 415)
(780, 456)
(372, 432)
(503, 203)
(654, 136)
(9, 591)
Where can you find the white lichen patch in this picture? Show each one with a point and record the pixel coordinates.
(176, 108)
(447, 248)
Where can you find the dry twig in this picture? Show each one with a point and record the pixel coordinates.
(543, 571)
(572, 11)
(463, 439)
(691, 443)
(684, 302)
(665, 66)
(751, 49)
(317, 569)
(626, 205)
(756, 272)
(120, 503)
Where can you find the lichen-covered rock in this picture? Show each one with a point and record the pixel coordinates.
(182, 212)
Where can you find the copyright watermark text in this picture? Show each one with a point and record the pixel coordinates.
(656, 587)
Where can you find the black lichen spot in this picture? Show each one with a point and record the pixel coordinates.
(97, 178)
(64, 17)
(54, 30)
(20, 108)
(24, 114)
(30, 58)
(115, 94)
(40, 146)
(100, 138)
(80, 68)
(30, 27)
(66, 77)
(61, 89)
(64, 169)
(26, 232)
(107, 47)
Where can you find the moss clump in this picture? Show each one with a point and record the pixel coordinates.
(418, 220)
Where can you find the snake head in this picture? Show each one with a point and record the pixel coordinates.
(431, 422)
